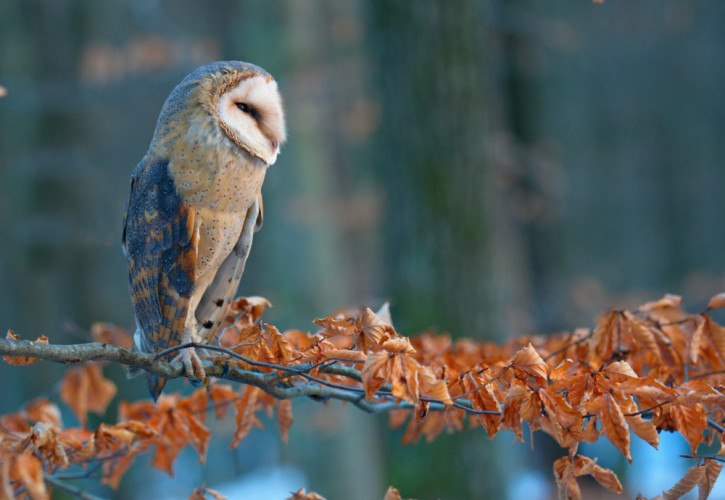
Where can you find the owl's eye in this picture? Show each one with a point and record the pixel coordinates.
(246, 108)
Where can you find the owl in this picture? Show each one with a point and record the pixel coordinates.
(195, 203)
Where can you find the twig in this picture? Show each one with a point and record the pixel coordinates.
(715, 425)
(642, 412)
(73, 490)
(571, 344)
(708, 374)
(228, 352)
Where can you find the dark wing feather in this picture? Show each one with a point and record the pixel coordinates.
(215, 302)
(160, 244)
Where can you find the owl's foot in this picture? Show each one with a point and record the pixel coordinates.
(192, 364)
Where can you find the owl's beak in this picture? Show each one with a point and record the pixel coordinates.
(271, 157)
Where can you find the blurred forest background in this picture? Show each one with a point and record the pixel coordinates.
(492, 168)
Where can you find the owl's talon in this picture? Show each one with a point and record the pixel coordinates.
(192, 364)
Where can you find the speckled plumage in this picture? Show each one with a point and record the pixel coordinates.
(195, 202)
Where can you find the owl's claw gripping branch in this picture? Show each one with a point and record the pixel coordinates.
(192, 364)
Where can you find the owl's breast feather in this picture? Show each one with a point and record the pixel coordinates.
(219, 186)
(218, 179)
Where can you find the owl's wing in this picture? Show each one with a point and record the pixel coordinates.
(161, 246)
(214, 303)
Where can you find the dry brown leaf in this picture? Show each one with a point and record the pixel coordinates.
(28, 471)
(214, 494)
(666, 310)
(567, 469)
(6, 489)
(527, 362)
(107, 437)
(108, 333)
(431, 386)
(691, 421)
(375, 330)
(406, 375)
(643, 333)
(284, 417)
(566, 484)
(85, 389)
(586, 466)
(222, 395)
(478, 391)
(613, 424)
(707, 481)
(201, 494)
(197, 494)
(644, 429)
(567, 422)
(302, 495)
(403, 374)
(281, 349)
(605, 338)
(512, 415)
(198, 435)
(22, 360)
(579, 387)
(174, 428)
(717, 301)
(697, 342)
(398, 345)
(684, 485)
(392, 494)
(669, 301)
(336, 326)
(561, 371)
(648, 388)
(711, 337)
(374, 372)
(591, 433)
(249, 308)
(619, 371)
(243, 313)
(42, 410)
(246, 414)
(346, 354)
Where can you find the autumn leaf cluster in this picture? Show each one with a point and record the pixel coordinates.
(635, 373)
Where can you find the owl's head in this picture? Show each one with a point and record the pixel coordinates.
(228, 100)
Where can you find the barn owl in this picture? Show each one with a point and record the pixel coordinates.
(195, 203)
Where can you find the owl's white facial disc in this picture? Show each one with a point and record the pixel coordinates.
(251, 114)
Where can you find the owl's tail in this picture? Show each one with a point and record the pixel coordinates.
(156, 385)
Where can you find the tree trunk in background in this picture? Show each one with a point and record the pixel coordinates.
(446, 237)
(431, 163)
(324, 219)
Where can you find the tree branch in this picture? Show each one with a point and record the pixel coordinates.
(273, 383)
